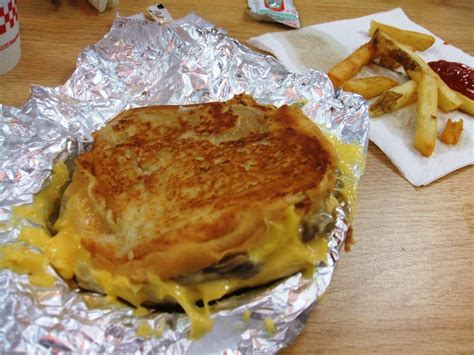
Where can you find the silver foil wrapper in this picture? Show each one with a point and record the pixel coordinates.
(141, 63)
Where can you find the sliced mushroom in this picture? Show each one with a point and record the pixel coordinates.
(232, 265)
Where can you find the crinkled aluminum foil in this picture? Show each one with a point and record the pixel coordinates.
(140, 63)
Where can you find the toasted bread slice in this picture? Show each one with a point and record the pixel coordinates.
(172, 190)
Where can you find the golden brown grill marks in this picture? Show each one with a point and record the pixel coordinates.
(255, 167)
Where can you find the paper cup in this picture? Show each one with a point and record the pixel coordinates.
(10, 49)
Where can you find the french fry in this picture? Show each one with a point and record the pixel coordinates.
(426, 115)
(417, 40)
(369, 87)
(415, 67)
(467, 104)
(350, 66)
(447, 99)
(388, 62)
(394, 99)
(452, 132)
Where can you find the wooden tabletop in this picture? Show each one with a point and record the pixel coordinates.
(408, 285)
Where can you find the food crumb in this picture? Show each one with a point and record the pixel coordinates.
(350, 240)
(269, 325)
(246, 315)
(144, 330)
(452, 132)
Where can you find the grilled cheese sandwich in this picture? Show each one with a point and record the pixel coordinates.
(185, 204)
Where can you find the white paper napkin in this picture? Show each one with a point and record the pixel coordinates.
(392, 133)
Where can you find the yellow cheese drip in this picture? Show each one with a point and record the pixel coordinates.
(283, 251)
(34, 236)
(141, 311)
(144, 330)
(348, 156)
(269, 325)
(246, 316)
(24, 261)
(21, 259)
(44, 201)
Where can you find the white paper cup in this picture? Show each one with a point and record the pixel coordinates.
(10, 48)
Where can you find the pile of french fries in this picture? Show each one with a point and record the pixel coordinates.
(393, 47)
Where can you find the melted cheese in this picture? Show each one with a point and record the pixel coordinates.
(34, 236)
(141, 312)
(144, 330)
(281, 248)
(246, 315)
(349, 155)
(24, 261)
(269, 325)
(281, 252)
(18, 257)
(44, 201)
(97, 301)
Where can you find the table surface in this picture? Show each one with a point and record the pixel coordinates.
(408, 283)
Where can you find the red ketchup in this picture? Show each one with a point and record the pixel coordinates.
(457, 76)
